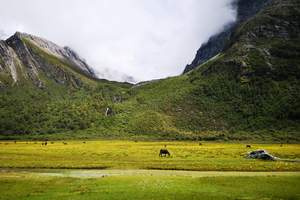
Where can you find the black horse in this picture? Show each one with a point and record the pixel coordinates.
(164, 152)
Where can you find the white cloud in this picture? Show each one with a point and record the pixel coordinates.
(146, 39)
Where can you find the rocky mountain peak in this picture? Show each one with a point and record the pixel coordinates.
(25, 57)
(216, 44)
(56, 50)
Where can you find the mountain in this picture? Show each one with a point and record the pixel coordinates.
(27, 59)
(249, 90)
(217, 43)
(45, 88)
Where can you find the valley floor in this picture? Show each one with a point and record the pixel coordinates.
(147, 184)
(193, 156)
(133, 170)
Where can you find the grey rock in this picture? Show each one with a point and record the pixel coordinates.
(261, 154)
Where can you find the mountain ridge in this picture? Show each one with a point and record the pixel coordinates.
(22, 61)
(217, 43)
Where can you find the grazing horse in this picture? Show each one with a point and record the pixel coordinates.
(45, 143)
(164, 152)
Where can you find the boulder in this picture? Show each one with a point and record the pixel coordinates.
(261, 154)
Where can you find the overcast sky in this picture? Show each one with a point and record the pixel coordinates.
(146, 39)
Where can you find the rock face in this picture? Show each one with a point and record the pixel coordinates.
(217, 43)
(25, 58)
(8, 66)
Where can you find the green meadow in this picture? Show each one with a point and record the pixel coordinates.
(133, 170)
(144, 155)
(153, 185)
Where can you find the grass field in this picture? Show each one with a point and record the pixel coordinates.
(144, 155)
(133, 170)
(151, 185)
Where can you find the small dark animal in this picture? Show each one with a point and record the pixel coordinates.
(108, 111)
(248, 146)
(200, 144)
(44, 143)
(65, 143)
(164, 152)
(83, 142)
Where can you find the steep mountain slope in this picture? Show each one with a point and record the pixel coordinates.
(45, 88)
(217, 43)
(252, 85)
(27, 59)
(248, 91)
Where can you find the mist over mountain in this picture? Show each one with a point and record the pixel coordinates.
(120, 39)
(218, 42)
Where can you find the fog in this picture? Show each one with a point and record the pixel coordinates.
(145, 39)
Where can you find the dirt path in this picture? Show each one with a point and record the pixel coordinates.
(116, 172)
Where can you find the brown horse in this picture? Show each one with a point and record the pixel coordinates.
(164, 152)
